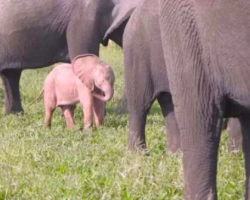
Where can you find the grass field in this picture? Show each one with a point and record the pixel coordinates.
(36, 163)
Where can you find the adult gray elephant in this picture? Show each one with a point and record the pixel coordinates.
(206, 48)
(144, 58)
(145, 75)
(36, 34)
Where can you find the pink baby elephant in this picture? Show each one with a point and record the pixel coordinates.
(88, 80)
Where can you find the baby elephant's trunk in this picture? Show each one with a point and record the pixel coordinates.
(108, 94)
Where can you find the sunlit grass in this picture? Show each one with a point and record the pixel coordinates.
(36, 163)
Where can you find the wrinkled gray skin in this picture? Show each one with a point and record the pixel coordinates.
(208, 41)
(145, 76)
(36, 34)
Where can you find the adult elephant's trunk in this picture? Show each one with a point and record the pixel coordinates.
(108, 94)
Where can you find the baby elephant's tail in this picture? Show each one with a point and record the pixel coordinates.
(37, 98)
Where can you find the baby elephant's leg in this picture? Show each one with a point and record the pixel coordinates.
(48, 116)
(99, 111)
(87, 104)
(72, 110)
(68, 114)
(50, 106)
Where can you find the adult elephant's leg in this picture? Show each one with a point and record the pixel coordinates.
(11, 78)
(139, 104)
(194, 95)
(200, 138)
(137, 124)
(245, 127)
(140, 98)
(235, 136)
(174, 140)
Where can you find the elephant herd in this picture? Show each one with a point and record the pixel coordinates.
(193, 56)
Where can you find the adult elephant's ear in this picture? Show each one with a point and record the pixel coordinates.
(120, 14)
(83, 67)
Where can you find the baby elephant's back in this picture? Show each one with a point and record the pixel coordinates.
(65, 85)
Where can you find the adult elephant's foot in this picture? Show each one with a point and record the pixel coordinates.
(11, 78)
(136, 142)
(13, 108)
(235, 135)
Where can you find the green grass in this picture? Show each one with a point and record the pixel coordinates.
(36, 163)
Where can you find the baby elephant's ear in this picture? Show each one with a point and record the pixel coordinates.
(83, 68)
